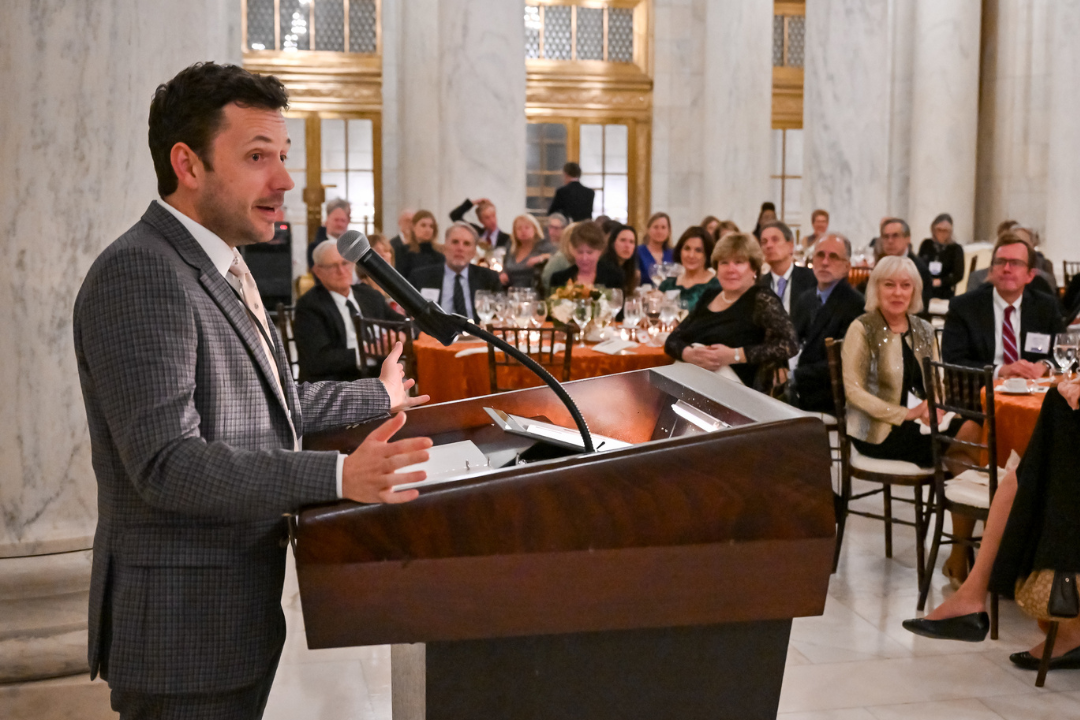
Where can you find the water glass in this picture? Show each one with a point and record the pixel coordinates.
(669, 314)
(1065, 349)
(633, 313)
(582, 315)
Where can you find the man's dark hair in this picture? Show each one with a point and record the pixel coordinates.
(904, 229)
(1010, 238)
(572, 169)
(188, 109)
(782, 227)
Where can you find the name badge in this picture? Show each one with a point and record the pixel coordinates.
(430, 294)
(1037, 343)
(935, 267)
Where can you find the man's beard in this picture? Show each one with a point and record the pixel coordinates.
(230, 220)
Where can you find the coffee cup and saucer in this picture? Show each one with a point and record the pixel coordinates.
(1016, 386)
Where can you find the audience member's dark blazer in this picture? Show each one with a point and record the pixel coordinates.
(573, 200)
(951, 257)
(406, 263)
(458, 215)
(319, 330)
(480, 278)
(969, 333)
(814, 325)
(1071, 301)
(802, 279)
(607, 274)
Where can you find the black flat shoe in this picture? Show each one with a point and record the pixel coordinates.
(967, 628)
(1027, 661)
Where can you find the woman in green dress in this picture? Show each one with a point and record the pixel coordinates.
(693, 251)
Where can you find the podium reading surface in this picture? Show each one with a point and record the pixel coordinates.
(653, 581)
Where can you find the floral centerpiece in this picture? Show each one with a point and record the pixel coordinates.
(562, 299)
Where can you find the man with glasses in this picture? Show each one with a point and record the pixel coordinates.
(1004, 323)
(820, 313)
(895, 239)
(324, 329)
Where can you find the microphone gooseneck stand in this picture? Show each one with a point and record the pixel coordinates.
(464, 325)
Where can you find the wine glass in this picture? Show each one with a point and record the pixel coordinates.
(503, 309)
(1065, 348)
(669, 314)
(653, 303)
(540, 313)
(657, 273)
(633, 312)
(485, 308)
(684, 308)
(582, 315)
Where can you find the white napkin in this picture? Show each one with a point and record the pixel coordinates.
(559, 347)
(981, 478)
(614, 347)
(471, 351)
(947, 418)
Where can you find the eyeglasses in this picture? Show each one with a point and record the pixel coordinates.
(1014, 264)
(343, 265)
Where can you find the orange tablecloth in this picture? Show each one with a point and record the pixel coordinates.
(1016, 416)
(445, 377)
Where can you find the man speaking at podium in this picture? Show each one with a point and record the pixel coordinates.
(195, 421)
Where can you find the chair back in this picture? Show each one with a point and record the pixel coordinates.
(283, 318)
(959, 389)
(1069, 268)
(538, 344)
(376, 339)
(859, 276)
(833, 350)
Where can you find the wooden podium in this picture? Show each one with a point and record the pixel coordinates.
(653, 581)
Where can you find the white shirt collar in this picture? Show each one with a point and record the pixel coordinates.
(1000, 304)
(340, 299)
(790, 270)
(219, 252)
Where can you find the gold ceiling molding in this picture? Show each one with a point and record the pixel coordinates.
(323, 81)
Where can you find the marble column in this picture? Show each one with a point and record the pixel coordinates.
(1063, 170)
(77, 81)
(461, 92)
(847, 112)
(945, 114)
(737, 107)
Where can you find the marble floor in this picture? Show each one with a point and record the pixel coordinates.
(855, 662)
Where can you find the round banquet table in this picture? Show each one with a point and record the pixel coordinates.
(445, 376)
(1016, 416)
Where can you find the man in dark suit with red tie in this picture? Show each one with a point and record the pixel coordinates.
(1004, 322)
(195, 423)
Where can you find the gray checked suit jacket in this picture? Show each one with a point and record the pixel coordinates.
(192, 450)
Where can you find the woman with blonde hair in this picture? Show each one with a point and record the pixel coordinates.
(420, 250)
(738, 324)
(882, 359)
(657, 245)
(528, 250)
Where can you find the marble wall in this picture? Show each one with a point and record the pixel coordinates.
(76, 79)
(461, 105)
(847, 114)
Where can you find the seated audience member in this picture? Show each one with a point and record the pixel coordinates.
(1071, 301)
(882, 357)
(556, 223)
(323, 326)
(657, 245)
(819, 220)
(338, 215)
(573, 199)
(766, 216)
(821, 313)
(944, 258)
(621, 252)
(488, 228)
(528, 250)
(453, 285)
(404, 223)
(420, 250)
(895, 240)
(1004, 323)
(587, 243)
(784, 278)
(694, 252)
(606, 224)
(711, 223)
(1031, 526)
(726, 227)
(1044, 281)
(562, 258)
(385, 249)
(740, 324)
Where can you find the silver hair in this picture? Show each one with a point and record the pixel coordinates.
(838, 236)
(889, 267)
(560, 217)
(320, 251)
(465, 226)
(336, 203)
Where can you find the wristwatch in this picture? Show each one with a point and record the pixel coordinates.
(738, 355)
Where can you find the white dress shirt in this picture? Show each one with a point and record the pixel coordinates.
(999, 318)
(221, 255)
(446, 299)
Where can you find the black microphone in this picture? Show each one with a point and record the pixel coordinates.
(428, 316)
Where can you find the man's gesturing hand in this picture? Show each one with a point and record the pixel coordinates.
(397, 387)
(370, 472)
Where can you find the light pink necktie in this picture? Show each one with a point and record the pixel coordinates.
(249, 291)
